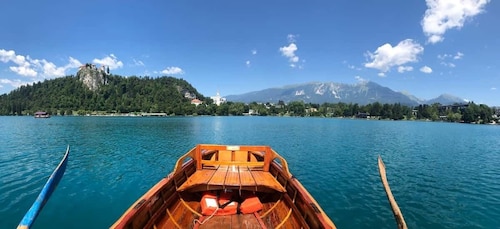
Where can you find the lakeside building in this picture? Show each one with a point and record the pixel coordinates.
(196, 102)
(218, 99)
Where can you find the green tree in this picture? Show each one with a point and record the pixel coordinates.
(297, 108)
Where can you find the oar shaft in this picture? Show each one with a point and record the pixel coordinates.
(394, 205)
(47, 190)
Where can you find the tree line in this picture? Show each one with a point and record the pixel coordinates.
(69, 96)
(468, 113)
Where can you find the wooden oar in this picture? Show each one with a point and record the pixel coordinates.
(395, 208)
(44, 195)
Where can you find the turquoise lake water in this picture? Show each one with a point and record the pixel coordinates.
(443, 175)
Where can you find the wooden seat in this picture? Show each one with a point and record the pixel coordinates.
(241, 156)
(232, 168)
(231, 177)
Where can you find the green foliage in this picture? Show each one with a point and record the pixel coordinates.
(121, 94)
(69, 96)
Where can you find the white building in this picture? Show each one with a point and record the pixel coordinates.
(218, 99)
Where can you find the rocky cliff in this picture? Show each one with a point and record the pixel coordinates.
(91, 76)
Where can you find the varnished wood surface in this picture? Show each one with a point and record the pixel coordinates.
(394, 205)
(175, 201)
(238, 221)
(232, 177)
(246, 176)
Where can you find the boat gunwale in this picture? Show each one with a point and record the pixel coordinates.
(277, 163)
(141, 201)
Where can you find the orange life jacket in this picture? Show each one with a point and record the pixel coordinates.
(250, 204)
(224, 206)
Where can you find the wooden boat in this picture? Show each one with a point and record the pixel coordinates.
(43, 197)
(42, 114)
(218, 186)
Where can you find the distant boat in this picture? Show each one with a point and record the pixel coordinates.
(218, 186)
(43, 197)
(42, 114)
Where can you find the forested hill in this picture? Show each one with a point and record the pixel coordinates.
(69, 94)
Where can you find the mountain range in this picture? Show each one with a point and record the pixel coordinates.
(362, 93)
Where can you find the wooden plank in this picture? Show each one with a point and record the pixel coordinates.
(241, 156)
(217, 222)
(232, 176)
(238, 163)
(266, 179)
(245, 221)
(219, 176)
(198, 177)
(225, 155)
(237, 221)
(246, 178)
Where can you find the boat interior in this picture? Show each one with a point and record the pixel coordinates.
(216, 186)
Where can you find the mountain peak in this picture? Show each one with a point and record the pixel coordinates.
(446, 99)
(363, 92)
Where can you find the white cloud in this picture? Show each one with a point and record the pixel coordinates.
(445, 57)
(138, 63)
(426, 69)
(73, 63)
(360, 79)
(442, 15)
(402, 69)
(247, 63)
(448, 64)
(350, 66)
(24, 71)
(254, 52)
(48, 68)
(13, 83)
(6, 56)
(291, 38)
(289, 51)
(24, 67)
(381, 74)
(172, 71)
(493, 88)
(111, 61)
(387, 56)
(458, 56)
(34, 67)
(10, 55)
(51, 70)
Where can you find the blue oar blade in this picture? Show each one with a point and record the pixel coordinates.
(45, 194)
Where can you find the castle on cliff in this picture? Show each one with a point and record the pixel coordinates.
(92, 76)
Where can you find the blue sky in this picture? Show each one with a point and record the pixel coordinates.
(425, 48)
